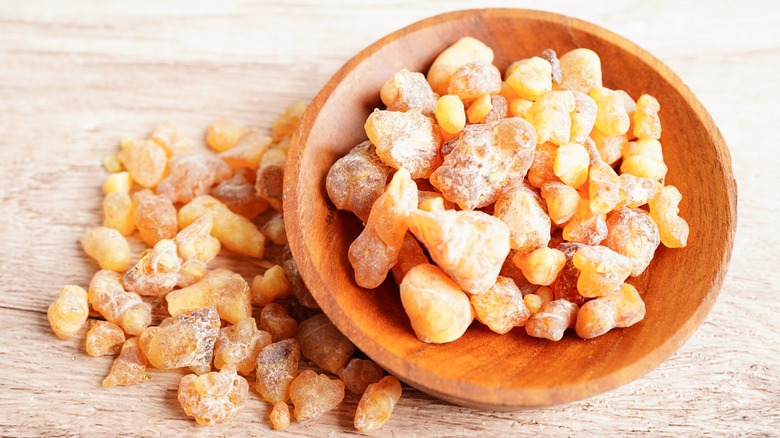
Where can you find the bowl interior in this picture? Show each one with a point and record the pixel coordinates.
(483, 369)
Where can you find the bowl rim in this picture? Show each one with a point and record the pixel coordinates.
(458, 391)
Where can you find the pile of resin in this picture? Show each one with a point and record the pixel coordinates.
(525, 201)
(186, 206)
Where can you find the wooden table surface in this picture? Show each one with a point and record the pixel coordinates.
(76, 76)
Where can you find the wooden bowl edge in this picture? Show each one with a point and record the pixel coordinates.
(500, 398)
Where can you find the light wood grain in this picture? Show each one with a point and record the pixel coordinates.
(76, 76)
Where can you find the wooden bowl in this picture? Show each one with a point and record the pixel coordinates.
(483, 369)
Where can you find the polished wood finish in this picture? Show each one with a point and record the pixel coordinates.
(483, 369)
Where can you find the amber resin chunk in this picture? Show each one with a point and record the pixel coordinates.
(531, 78)
(438, 310)
(664, 211)
(182, 341)
(562, 201)
(565, 284)
(68, 313)
(635, 191)
(465, 50)
(322, 343)
(360, 373)
(314, 394)
(377, 404)
(247, 152)
(272, 285)
(540, 266)
(155, 217)
(239, 194)
(604, 188)
(376, 250)
(156, 273)
(470, 246)
(273, 229)
(125, 309)
(499, 109)
(510, 270)
(167, 135)
(276, 367)
(214, 397)
(580, 70)
(240, 345)
(145, 160)
(523, 212)
(621, 308)
(280, 416)
(571, 164)
(644, 158)
(408, 90)
(612, 117)
(103, 337)
(585, 226)
(554, 318)
(632, 233)
(118, 182)
(129, 367)
(270, 176)
(119, 213)
(533, 303)
(474, 79)
(479, 109)
(450, 114)
(192, 175)
(224, 134)
(108, 247)
(555, 64)
(196, 242)
(297, 286)
(234, 231)
(630, 105)
(609, 146)
(356, 180)
(519, 107)
(593, 152)
(112, 164)
(432, 201)
(583, 118)
(484, 161)
(284, 125)
(405, 139)
(646, 121)
(551, 117)
(602, 270)
(410, 255)
(222, 289)
(501, 308)
(277, 322)
(196, 247)
(542, 168)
